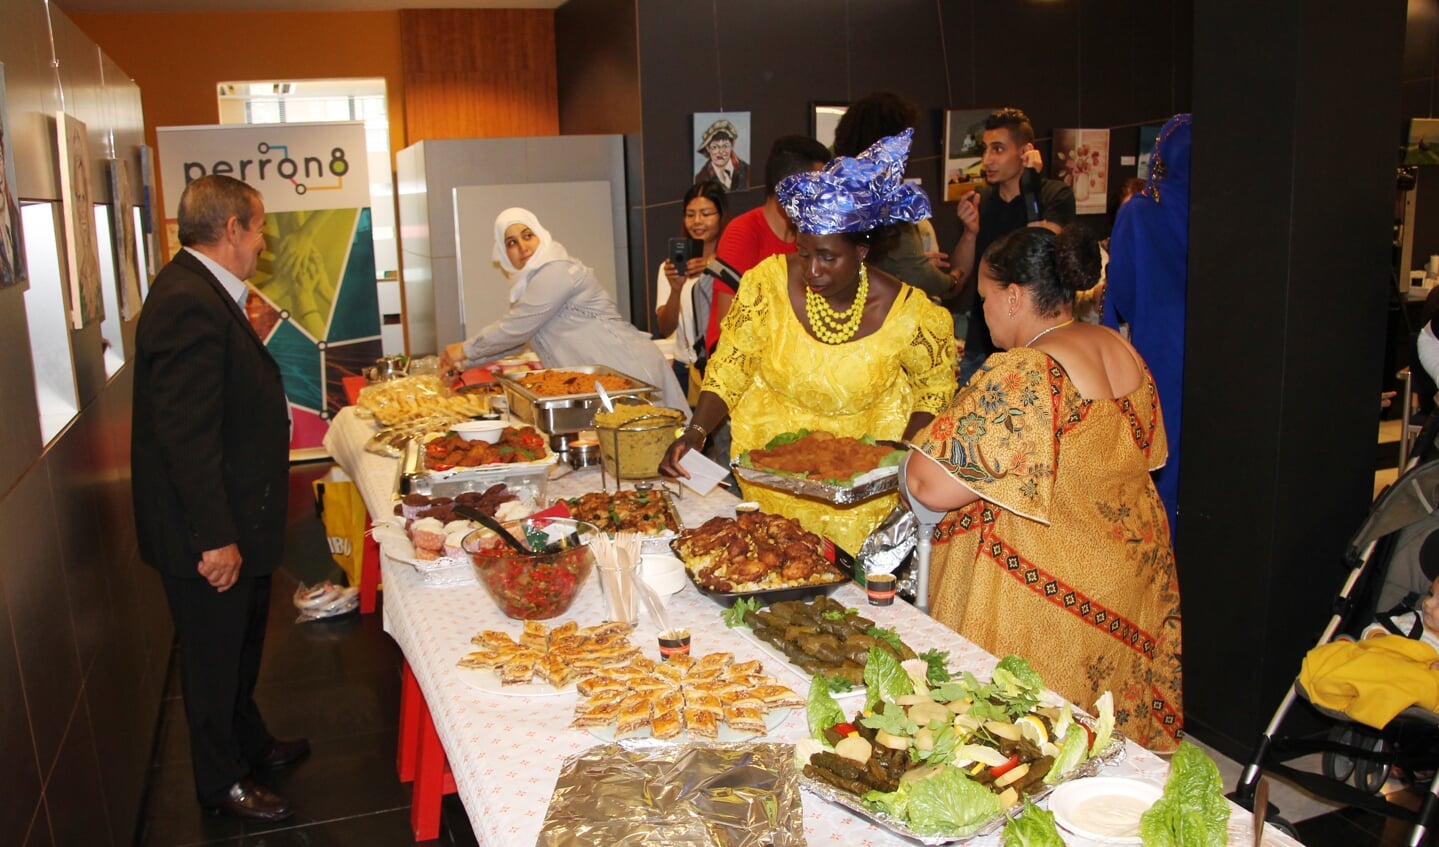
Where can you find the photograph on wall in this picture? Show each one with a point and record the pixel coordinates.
(82, 251)
(963, 151)
(147, 215)
(824, 120)
(1081, 160)
(1423, 146)
(12, 247)
(1147, 136)
(127, 259)
(722, 148)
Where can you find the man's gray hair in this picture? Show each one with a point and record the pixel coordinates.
(208, 203)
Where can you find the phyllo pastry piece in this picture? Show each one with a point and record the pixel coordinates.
(479, 659)
(590, 713)
(702, 702)
(745, 719)
(518, 671)
(564, 630)
(606, 631)
(702, 724)
(669, 673)
(777, 697)
(683, 662)
(667, 724)
(555, 671)
(754, 666)
(634, 715)
(535, 636)
(668, 701)
(712, 662)
(492, 638)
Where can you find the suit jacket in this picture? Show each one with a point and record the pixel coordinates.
(210, 435)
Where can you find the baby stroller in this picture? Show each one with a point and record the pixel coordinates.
(1387, 558)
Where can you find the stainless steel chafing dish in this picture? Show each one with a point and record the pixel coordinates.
(567, 412)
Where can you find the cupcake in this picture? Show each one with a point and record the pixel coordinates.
(413, 504)
(427, 534)
(455, 544)
(461, 525)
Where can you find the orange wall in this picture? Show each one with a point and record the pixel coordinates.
(178, 58)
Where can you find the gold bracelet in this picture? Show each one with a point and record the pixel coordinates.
(704, 433)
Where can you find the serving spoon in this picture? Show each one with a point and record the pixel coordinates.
(605, 398)
(494, 526)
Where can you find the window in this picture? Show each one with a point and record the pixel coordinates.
(309, 101)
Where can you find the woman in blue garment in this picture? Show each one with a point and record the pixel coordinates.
(1148, 276)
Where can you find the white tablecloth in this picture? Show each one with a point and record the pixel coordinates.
(506, 752)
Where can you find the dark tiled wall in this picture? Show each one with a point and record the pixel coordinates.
(84, 633)
(1086, 63)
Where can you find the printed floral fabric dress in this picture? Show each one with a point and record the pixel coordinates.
(1066, 558)
(775, 377)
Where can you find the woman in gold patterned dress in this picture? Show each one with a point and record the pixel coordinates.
(818, 340)
(1056, 546)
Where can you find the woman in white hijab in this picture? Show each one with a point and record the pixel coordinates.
(559, 309)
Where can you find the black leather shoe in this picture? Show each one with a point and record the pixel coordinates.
(282, 753)
(254, 802)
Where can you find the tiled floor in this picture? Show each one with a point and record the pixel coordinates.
(337, 682)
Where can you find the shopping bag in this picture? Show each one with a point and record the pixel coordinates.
(342, 511)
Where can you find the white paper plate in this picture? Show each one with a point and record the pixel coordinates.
(771, 722)
(484, 679)
(1105, 808)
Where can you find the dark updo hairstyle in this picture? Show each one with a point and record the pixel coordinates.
(870, 118)
(1053, 267)
(710, 190)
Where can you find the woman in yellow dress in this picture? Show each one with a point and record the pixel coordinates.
(1056, 545)
(821, 341)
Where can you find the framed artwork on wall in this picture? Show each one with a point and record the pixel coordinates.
(1081, 159)
(122, 222)
(824, 119)
(1423, 146)
(82, 251)
(722, 148)
(963, 149)
(12, 247)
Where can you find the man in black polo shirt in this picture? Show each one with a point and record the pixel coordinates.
(1014, 196)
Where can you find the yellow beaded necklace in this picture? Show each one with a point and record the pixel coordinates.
(830, 326)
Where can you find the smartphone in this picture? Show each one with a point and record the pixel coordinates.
(684, 249)
(1029, 182)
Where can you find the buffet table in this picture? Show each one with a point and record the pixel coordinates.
(504, 753)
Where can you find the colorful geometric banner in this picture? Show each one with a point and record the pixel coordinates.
(312, 298)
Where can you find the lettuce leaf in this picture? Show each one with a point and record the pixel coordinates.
(950, 803)
(1033, 828)
(1193, 811)
(820, 709)
(884, 678)
(894, 803)
(785, 438)
(1072, 751)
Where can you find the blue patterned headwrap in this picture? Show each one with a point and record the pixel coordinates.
(856, 194)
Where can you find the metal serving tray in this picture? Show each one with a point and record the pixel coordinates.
(1113, 752)
(870, 484)
(567, 412)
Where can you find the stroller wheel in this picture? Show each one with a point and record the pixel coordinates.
(1338, 766)
(1370, 775)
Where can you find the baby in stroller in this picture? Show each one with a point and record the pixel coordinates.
(1421, 623)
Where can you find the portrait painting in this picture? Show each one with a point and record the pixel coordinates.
(12, 248)
(722, 149)
(82, 250)
(1081, 160)
(963, 151)
(1423, 146)
(127, 258)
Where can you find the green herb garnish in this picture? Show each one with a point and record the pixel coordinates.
(888, 636)
(734, 615)
(938, 671)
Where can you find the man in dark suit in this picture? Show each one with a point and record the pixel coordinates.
(209, 468)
